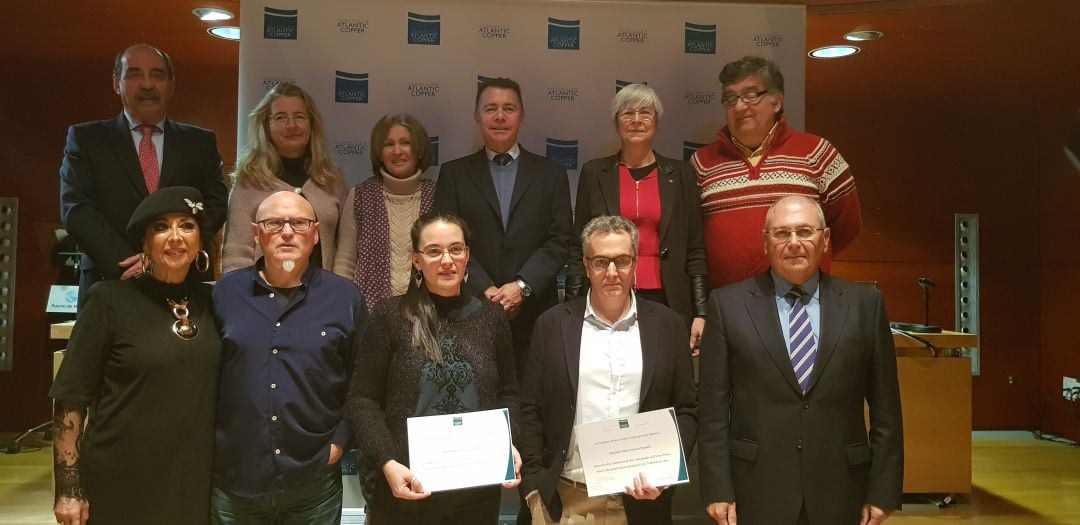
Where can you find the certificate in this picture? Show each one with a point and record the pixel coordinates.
(614, 451)
(457, 451)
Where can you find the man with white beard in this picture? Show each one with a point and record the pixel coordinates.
(288, 331)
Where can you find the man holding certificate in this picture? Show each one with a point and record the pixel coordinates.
(607, 356)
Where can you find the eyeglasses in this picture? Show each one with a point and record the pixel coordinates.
(784, 235)
(276, 225)
(644, 115)
(280, 119)
(456, 251)
(750, 98)
(600, 264)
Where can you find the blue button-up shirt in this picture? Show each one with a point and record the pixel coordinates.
(284, 373)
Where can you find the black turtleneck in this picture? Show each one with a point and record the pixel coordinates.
(294, 171)
(445, 306)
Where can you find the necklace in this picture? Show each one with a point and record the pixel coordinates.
(183, 327)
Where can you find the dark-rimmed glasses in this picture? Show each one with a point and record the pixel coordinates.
(750, 98)
(276, 225)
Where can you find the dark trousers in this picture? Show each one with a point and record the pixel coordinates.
(316, 504)
(476, 506)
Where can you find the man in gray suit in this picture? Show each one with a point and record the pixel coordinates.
(787, 360)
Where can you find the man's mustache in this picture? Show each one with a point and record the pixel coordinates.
(148, 94)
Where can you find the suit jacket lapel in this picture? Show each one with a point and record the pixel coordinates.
(171, 145)
(649, 329)
(571, 323)
(666, 183)
(480, 173)
(608, 180)
(762, 309)
(834, 313)
(525, 176)
(124, 147)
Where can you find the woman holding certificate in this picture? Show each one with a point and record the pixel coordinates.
(432, 351)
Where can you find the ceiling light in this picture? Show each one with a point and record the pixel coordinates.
(212, 14)
(833, 51)
(863, 35)
(226, 32)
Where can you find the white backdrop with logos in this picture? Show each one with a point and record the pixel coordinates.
(361, 60)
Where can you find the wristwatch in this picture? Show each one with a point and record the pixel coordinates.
(525, 289)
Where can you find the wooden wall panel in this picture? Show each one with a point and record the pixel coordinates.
(63, 82)
(934, 121)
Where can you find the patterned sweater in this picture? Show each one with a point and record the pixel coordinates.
(735, 197)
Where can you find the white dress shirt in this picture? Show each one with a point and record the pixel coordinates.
(609, 375)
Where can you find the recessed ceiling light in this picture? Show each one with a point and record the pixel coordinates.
(833, 51)
(863, 35)
(212, 14)
(226, 32)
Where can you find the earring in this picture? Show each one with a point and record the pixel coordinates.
(465, 279)
(202, 261)
(147, 264)
(418, 278)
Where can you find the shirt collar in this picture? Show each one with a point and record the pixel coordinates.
(134, 126)
(627, 320)
(781, 286)
(746, 151)
(514, 152)
(261, 286)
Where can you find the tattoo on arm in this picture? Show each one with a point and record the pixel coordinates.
(67, 431)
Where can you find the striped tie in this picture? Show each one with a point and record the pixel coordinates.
(802, 347)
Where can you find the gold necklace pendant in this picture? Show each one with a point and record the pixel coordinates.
(183, 327)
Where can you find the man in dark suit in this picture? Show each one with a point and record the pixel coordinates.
(787, 360)
(595, 358)
(111, 165)
(517, 205)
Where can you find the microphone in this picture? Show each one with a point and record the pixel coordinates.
(926, 284)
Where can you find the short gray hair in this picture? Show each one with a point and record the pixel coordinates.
(635, 96)
(813, 202)
(609, 224)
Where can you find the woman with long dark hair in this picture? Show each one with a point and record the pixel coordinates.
(432, 351)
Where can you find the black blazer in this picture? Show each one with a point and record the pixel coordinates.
(769, 448)
(534, 245)
(549, 393)
(101, 183)
(682, 245)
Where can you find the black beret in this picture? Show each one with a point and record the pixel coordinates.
(170, 199)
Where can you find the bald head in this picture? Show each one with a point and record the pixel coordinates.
(285, 199)
(796, 201)
(286, 230)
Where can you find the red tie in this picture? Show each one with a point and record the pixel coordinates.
(148, 158)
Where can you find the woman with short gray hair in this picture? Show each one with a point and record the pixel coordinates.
(660, 196)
